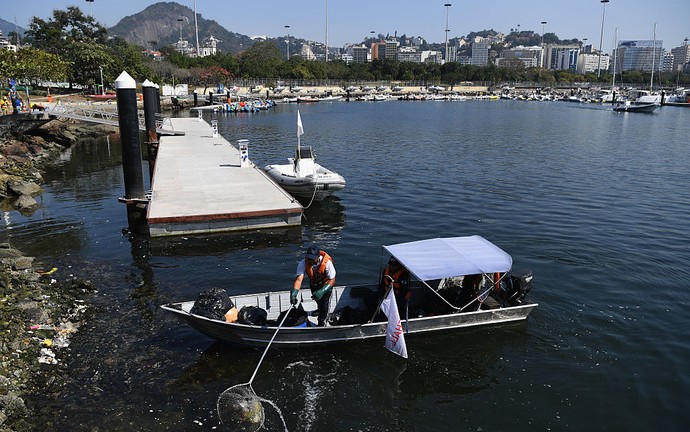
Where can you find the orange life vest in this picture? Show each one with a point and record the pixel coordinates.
(317, 279)
(397, 277)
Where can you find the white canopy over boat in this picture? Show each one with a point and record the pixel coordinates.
(450, 257)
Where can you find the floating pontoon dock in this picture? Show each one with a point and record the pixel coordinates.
(200, 185)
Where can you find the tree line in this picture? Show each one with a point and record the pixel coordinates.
(74, 47)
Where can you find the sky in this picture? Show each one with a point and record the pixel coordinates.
(351, 21)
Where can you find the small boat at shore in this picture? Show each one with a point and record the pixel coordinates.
(437, 303)
(103, 97)
(302, 177)
(307, 99)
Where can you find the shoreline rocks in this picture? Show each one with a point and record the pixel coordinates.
(22, 156)
(40, 308)
(38, 314)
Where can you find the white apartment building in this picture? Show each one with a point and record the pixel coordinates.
(208, 46)
(589, 62)
(530, 56)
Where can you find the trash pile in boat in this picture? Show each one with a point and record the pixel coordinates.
(216, 304)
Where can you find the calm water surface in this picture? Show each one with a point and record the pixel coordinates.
(596, 203)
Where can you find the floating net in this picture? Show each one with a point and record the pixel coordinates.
(240, 408)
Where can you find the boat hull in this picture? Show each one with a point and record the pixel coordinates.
(641, 108)
(324, 184)
(259, 336)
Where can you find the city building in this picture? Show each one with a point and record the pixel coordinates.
(208, 46)
(378, 50)
(360, 54)
(452, 53)
(643, 55)
(562, 57)
(432, 57)
(156, 55)
(530, 56)
(409, 54)
(5, 44)
(185, 48)
(589, 62)
(681, 56)
(391, 49)
(306, 52)
(666, 62)
(480, 53)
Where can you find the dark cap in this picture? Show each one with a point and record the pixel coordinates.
(313, 252)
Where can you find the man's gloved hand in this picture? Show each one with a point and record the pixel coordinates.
(316, 295)
(293, 296)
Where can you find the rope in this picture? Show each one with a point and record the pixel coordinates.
(268, 346)
(460, 309)
(316, 184)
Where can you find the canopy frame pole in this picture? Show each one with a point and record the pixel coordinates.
(483, 294)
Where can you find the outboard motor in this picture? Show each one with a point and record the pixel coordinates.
(519, 284)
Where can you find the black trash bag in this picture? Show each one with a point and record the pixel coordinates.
(252, 315)
(346, 316)
(212, 303)
(296, 316)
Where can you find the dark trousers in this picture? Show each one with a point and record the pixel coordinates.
(323, 304)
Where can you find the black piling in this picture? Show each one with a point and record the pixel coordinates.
(151, 108)
(128, 120)
(210, 98)
(196, 98)
(158, 98)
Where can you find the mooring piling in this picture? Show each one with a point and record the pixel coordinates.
(150, 110)
(128, 121)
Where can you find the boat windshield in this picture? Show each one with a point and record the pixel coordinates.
(303, 153)
(450, 257)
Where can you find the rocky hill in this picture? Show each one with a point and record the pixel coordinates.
(158, 26)
(6, 27)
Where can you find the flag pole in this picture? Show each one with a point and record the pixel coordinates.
(300, 131)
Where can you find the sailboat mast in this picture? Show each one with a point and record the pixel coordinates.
(615, 52)
(651, 80)
(196, 30)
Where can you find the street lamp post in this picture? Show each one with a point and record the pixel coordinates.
(287, 41)
(90, 2)
(447, 5)
(196, 31)
(179, 42)
(543, 23)
(601, 38)
(102, 87)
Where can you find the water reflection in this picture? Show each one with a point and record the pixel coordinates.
(327, 215)
(223, 243)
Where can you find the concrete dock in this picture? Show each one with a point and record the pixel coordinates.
(199, 186)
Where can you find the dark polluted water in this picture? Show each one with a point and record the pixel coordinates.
(594, 202)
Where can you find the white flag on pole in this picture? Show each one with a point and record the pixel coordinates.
(300, 129)
(395, 337)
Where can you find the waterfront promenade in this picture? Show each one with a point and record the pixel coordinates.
(199, 186)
